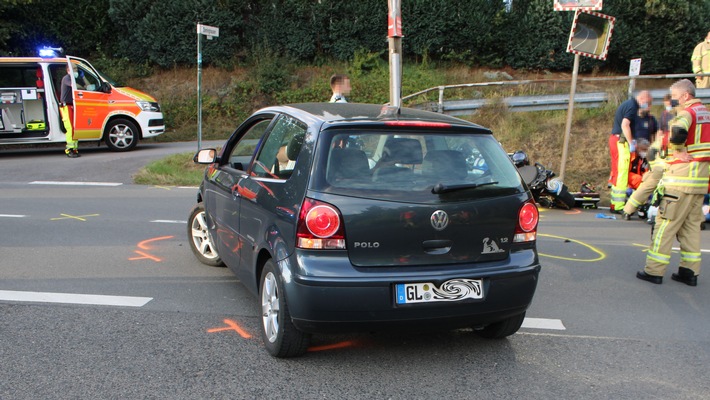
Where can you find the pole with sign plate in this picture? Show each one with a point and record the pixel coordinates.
(590, 36)
(210, 32)
(634, 70)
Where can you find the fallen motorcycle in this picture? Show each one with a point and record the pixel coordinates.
(548, 191)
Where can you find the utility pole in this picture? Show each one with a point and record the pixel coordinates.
(394, 33)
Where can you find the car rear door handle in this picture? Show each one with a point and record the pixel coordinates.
(441, 246)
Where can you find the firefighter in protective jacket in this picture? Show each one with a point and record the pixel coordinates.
(684, 184)
(701, 62)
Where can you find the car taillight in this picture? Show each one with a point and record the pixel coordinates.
(526, 230)
(319, 226)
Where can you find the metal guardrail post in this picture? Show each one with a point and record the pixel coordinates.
(441, 99)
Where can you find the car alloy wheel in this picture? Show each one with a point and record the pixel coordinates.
(201, 241)
(281, 337)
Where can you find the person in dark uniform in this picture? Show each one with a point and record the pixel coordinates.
(621, 144)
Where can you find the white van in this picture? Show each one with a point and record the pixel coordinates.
(103, 111)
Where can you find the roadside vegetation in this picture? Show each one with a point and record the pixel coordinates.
(230, 95)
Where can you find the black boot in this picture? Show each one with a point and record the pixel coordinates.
(649, 278)
(685, 275)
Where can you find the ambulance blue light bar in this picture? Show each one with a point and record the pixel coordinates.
(49, 52)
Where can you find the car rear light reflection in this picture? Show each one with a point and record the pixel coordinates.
(418, 124)
(319, 226)
(526, 230)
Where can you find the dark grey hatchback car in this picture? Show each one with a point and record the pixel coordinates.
(354, 217)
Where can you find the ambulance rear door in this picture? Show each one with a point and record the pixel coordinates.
(92, 97)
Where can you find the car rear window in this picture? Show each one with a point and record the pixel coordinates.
(413, 165)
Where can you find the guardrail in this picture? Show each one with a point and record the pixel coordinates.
(542, 102)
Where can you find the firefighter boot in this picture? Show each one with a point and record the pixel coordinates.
(685, 275)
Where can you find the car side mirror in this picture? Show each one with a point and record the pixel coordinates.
(105, 87)
(205, 156)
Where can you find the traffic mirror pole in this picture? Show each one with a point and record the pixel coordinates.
(570, 113)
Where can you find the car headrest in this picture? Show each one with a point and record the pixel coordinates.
(347, 164)
(403, 151)
(294, 146)
(445, 164)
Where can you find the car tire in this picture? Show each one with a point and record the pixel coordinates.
(502, 329)
(121, 135)
(281, 338)
(200, 239)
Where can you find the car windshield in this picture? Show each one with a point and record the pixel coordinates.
(416, 165)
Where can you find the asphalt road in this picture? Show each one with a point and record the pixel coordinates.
(78, 227)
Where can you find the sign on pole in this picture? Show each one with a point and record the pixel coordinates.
(635, 67)
(210, 32)
(590, 36)
(634, 70)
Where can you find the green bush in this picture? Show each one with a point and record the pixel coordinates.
(476, 32)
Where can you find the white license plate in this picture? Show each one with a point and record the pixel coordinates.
(453, 290)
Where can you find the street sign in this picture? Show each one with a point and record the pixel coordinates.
(635, 67)
(209, 31)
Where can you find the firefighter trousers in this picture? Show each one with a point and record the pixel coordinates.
(67, 113)
(679, 215)
(640, 196)
(620, 159)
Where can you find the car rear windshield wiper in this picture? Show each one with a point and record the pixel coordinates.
(441, 188)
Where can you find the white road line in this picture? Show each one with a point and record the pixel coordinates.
(543, 323)
(69, 183)
(11, 216)
(72, 298)
(169, 221)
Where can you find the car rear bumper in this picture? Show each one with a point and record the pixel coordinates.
(368, 302)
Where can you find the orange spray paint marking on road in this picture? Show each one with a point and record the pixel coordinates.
(333, 346)
(232, 326)
(573, 212)
(145, 245)
(144, 256)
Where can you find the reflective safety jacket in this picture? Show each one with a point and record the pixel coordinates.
(700, 59)
(691, 177)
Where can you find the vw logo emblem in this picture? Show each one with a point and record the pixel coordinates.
(439, 220)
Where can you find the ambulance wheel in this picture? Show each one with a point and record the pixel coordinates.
(121, 135)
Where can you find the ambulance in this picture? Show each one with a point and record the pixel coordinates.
(103, 111)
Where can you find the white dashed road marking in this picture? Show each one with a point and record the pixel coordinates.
(76, 183)
(72, 298)
(11, 216)
(543, 323)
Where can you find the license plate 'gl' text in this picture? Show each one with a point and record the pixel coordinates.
(452, 290)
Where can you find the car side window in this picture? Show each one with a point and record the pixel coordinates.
(244, 149)
(277, 156)
(87, 80)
